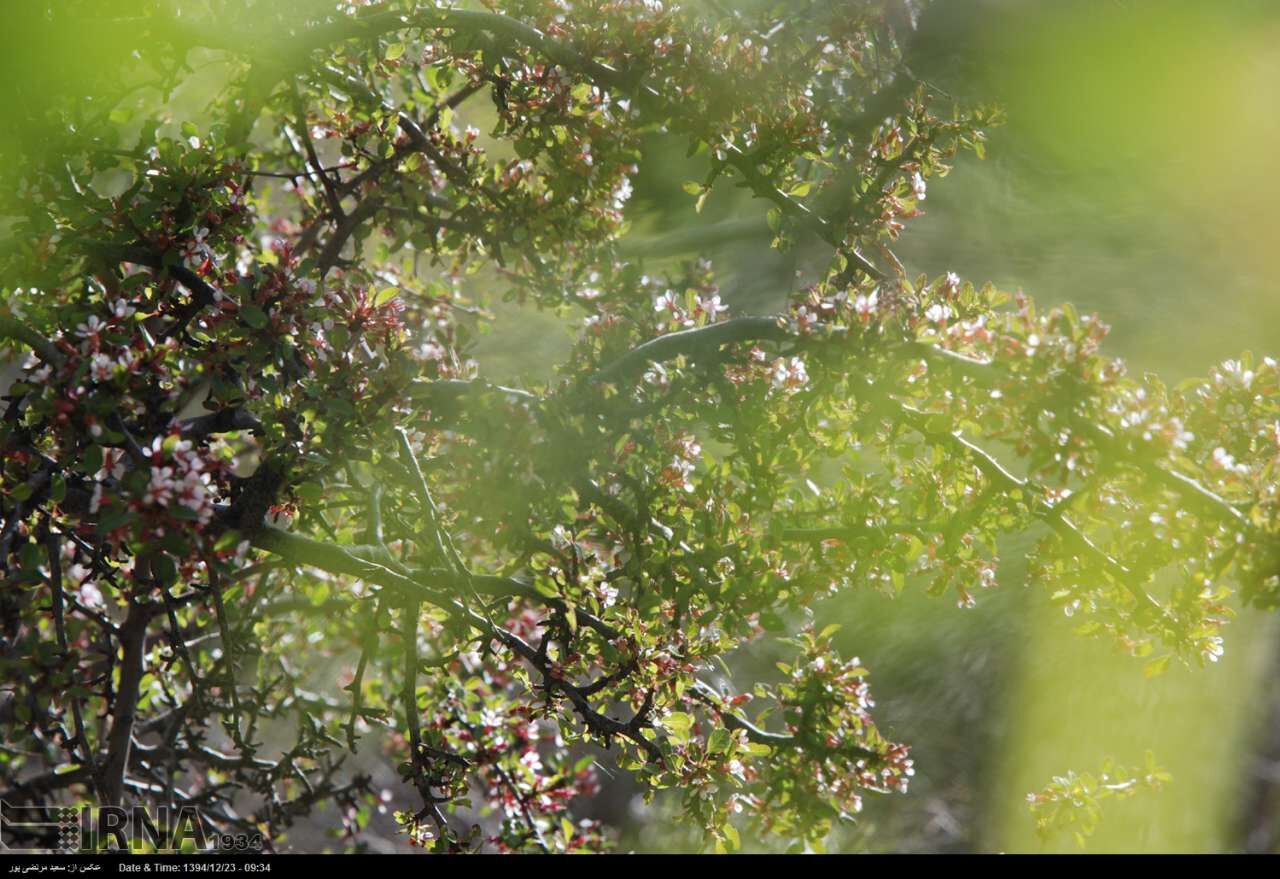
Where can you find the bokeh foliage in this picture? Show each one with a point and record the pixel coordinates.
(506, 579)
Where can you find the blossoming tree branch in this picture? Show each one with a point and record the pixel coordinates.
(253, 481)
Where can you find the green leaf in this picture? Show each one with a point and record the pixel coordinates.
(254, 316)
(1157, 666)
(164, 569)
(731, 837)
(678, 724)
(57, 488)
(719, 742)
(394, 51)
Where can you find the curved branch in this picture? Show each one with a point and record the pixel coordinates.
(222, 421)
(690, 342)
(12, 328)
(706, 694)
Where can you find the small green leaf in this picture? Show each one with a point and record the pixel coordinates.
(678, 724)
(1157, 666)
(731, 837)
(253, 316)
(719, 742)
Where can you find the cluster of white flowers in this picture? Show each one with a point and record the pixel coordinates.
(591, 292)
(683, 462)
(788, 374)
(974, 330)
(1226, 462)
(197, 249)
(621, 193)
(79, 580)
(103, 366)
(92, 327)
(1153, 419)
(918, 186)
(417, 439)
(689, 447)
(185, 481)
(121, 309)
(1233, 372)
(430, 349)
(804, 319)
(678, 473)
(38, 372)
(938, 313)
(607, 594)
(1212, 650)
(669, 305)
(657, 376)
(561, 539)
(864, 305)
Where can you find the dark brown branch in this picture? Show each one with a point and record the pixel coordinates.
(132, 638)
(347, 226)
(222, 421)
(706, 694)
(203, 295)
(350, 560)
(606, 727)
(53, 547)
(28, 789)
(409, 695)
(313, 160)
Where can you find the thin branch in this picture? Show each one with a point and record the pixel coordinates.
(313, 160)
(202, 294)
(53, 549)
(347, 227)
(223, 421)
(691, 342)
(985, 373)
(1051, 514)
